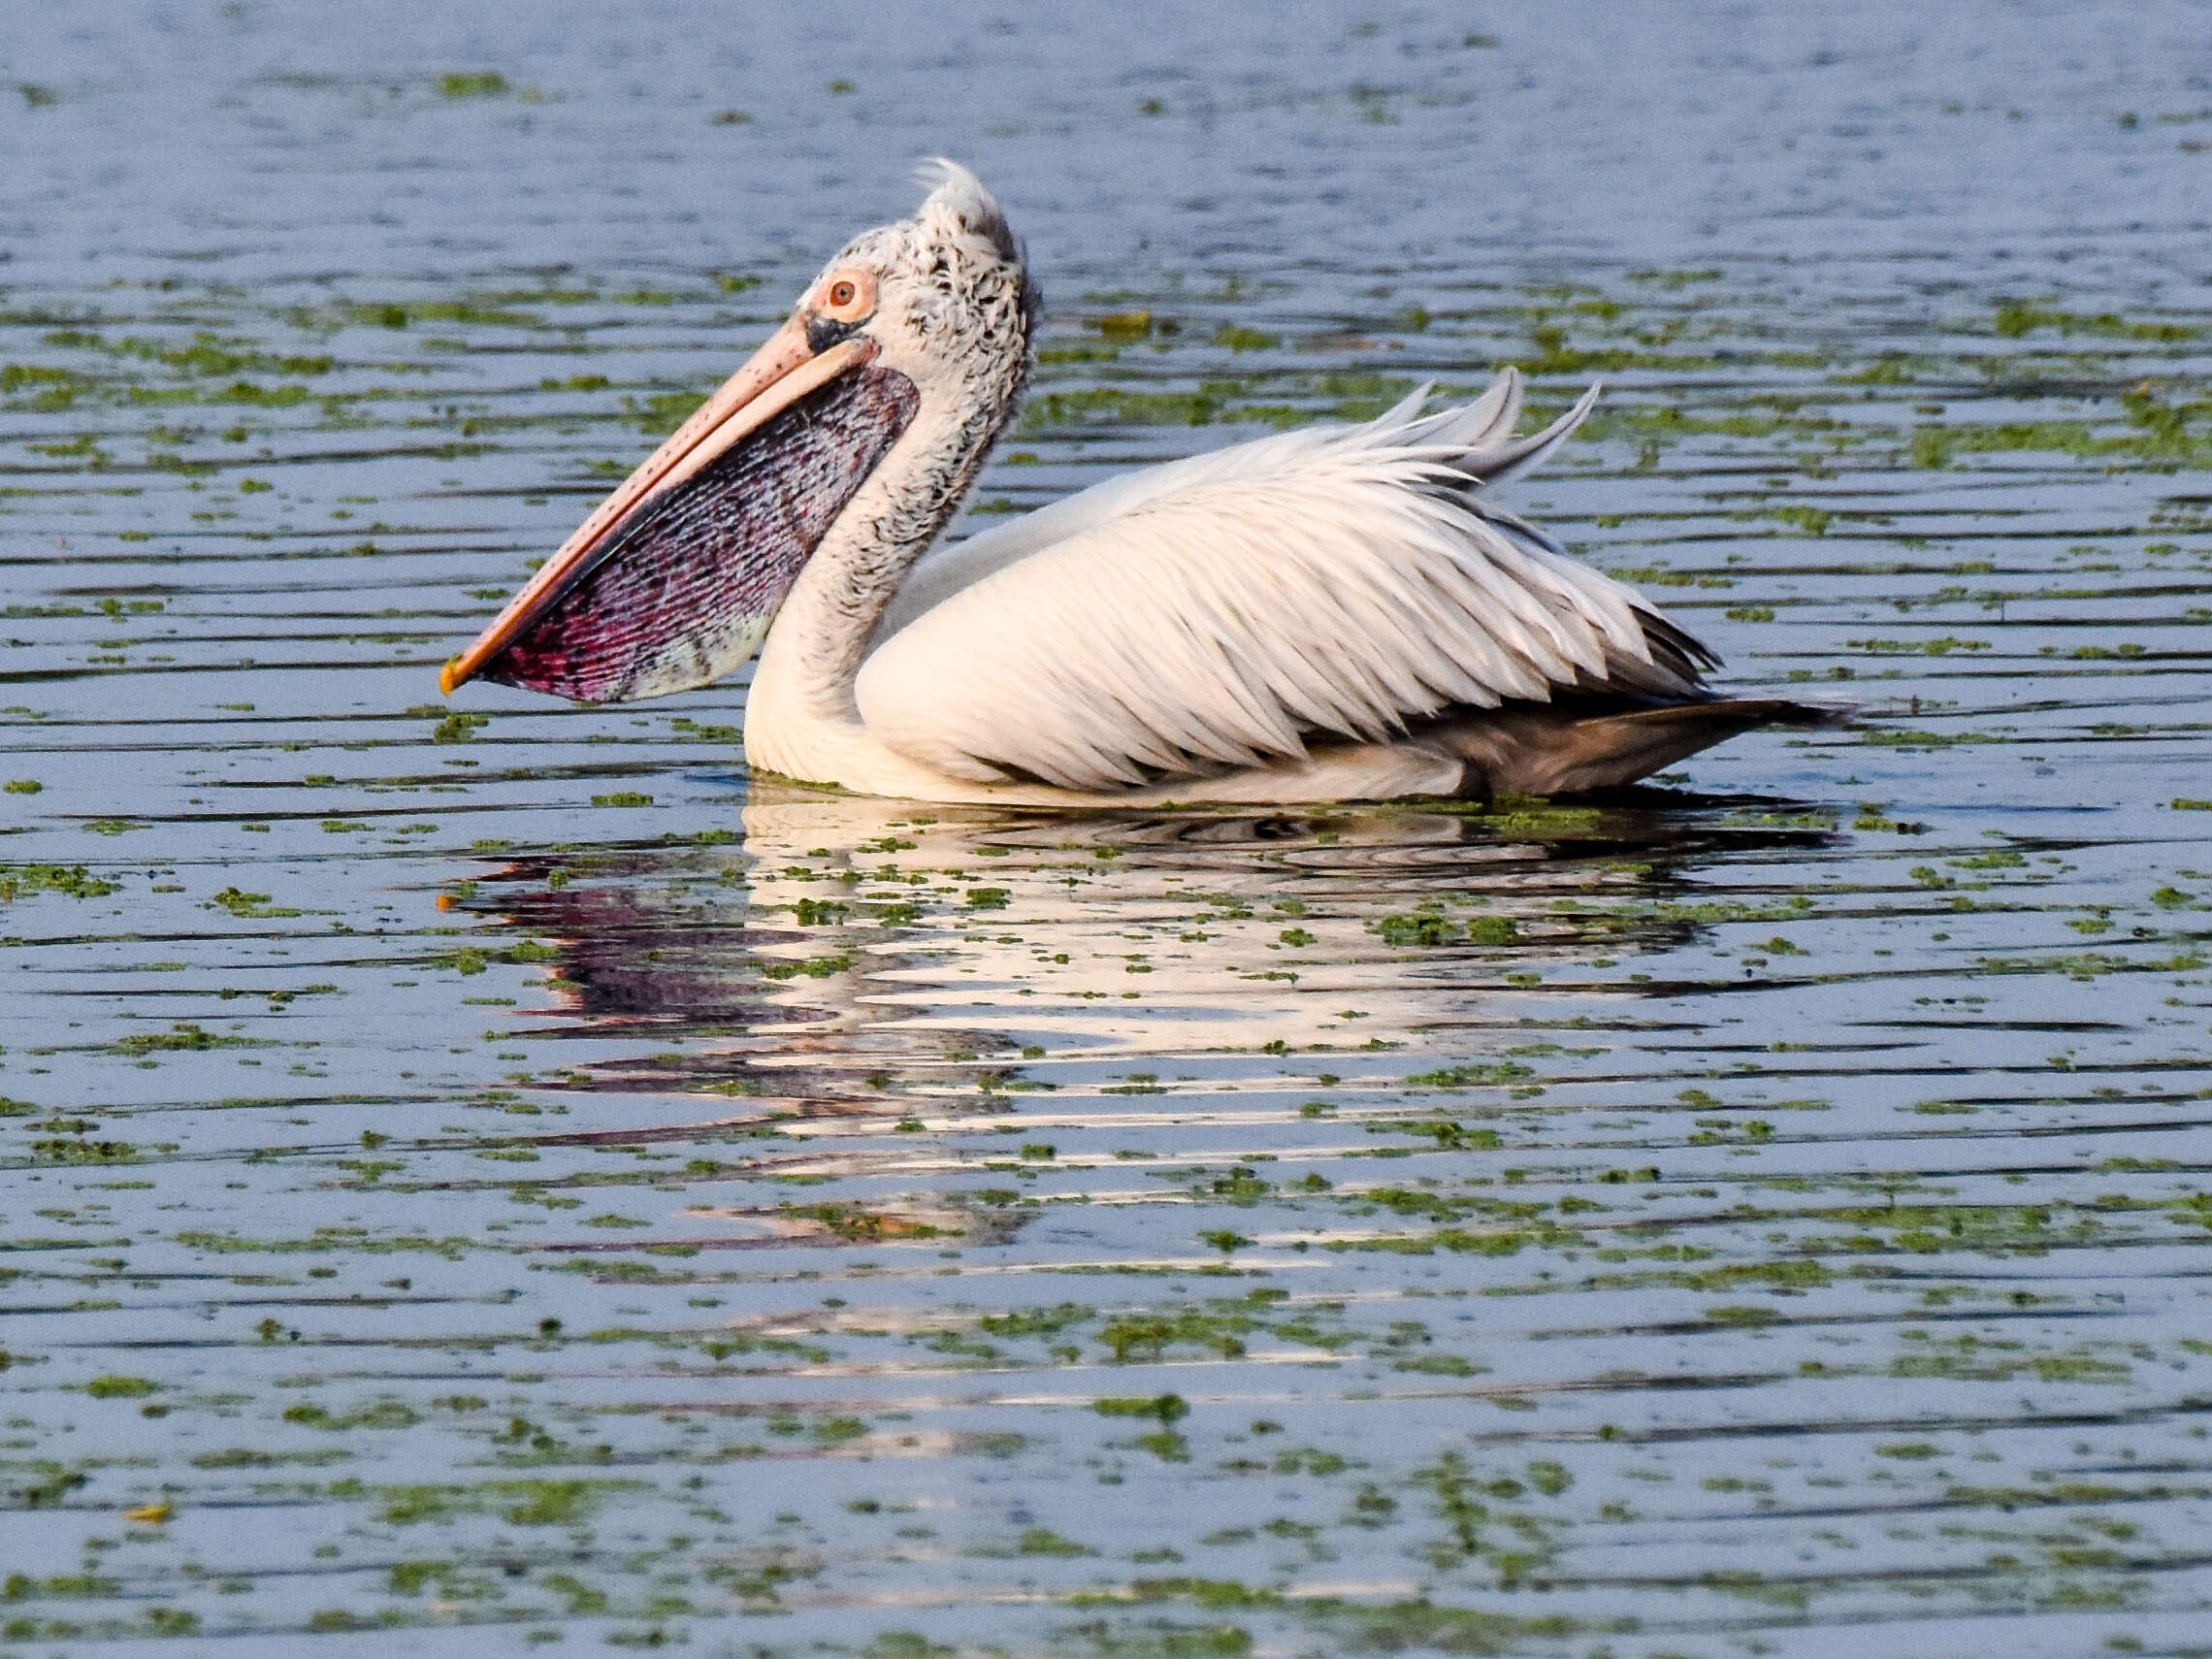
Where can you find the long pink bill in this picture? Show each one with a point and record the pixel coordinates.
(672, 581)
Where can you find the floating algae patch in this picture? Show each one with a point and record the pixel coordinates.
(490, 1169)
(72, 881)
(518, 1503)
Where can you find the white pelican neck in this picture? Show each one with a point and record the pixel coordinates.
(815, 648)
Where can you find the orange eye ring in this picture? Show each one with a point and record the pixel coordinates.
(849, 296)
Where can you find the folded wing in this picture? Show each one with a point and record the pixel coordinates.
(1225, 611)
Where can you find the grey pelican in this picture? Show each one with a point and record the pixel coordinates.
(1333, 613)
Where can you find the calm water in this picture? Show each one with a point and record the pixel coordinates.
(484, 1174)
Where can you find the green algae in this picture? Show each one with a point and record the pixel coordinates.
(518, 1503)
(1240, 338)
(1432, 927)
(249, 906)
(121, 1388)
(1480, 1075)
(2015, 319)
(1383, 1627)
(185, 1036)
(472, 83)
(71, 881)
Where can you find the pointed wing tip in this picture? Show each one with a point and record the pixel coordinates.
(1408, 409)
(1557, 433)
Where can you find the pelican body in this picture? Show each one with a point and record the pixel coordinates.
(1334, 613)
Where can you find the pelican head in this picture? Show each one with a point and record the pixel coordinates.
(876, 401)
(944, 297)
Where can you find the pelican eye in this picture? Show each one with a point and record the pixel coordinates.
(849, 296)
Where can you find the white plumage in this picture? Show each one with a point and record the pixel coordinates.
(1221, 612)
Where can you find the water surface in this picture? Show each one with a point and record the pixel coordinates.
(487, 1173)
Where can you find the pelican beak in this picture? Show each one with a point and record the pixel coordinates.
(672, 581)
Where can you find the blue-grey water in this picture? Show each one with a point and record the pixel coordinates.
(483, 1174)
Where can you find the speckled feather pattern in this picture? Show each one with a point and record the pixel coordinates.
(960, 314)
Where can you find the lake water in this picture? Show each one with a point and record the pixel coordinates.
(484, 1174)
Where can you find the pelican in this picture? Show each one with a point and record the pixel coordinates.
(1335, 613)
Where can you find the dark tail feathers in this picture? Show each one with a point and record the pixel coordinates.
(1551, 749)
